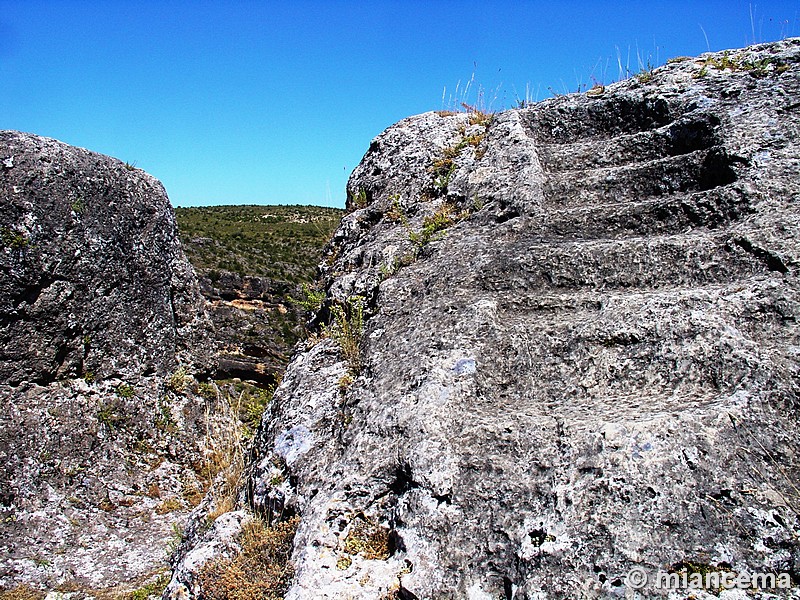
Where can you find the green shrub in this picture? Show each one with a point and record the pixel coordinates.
(13, 239)
(109, 414)
(433, 225)
(312, 299)
(358, 200)
(125, 390)
(208, 390)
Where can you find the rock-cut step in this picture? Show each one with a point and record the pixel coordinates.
(657, 346)
(697, 171)
(568, 120)
(762, 293)
(690, 133)
(677, 213)
(692, 259)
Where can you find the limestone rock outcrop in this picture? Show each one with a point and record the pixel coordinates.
(94, 234)
(579, 351)
(105, 444)
(253, 322)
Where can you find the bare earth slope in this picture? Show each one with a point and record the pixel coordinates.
(580, 349)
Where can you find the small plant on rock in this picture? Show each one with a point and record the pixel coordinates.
(396, 212)
(125, 390)
(367, 538)
(152, 589)
(434, 225)
(312, 298)
(443, 170)
(347, 328)
(345, 381)
(479, 117)
(13, 239)
(646, 74)
(163, 420)
(176, 539)
(109, 414)
(358, 200)
(177, 381)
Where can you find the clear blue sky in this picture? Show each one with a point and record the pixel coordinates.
(276, 102)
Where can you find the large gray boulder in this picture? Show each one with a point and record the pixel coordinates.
(93, 278)
(579, 353)
(105, 444)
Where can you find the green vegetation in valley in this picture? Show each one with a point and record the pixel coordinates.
(283, 243)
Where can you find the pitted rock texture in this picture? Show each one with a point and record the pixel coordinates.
(590, 366)
(93, 278)
(104, 441)
(99, 478)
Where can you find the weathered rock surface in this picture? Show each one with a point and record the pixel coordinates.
(104, 444)
(98, 479)
(82, 230)
(594, 367)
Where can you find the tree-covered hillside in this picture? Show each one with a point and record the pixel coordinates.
(283, 243)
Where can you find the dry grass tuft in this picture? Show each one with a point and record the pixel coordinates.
(223, 462)
(368, 539)
(169, 505)
(347, 328)
(262, 571)
(478, 117)
(22, 592)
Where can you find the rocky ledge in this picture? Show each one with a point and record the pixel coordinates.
(562, 344)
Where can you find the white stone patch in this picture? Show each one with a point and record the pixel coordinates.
(485, 310)
(54, 595)
(464, 366)
(475, 592)
(293, 443)
(434, 465)
(762, 158)
(723, 554)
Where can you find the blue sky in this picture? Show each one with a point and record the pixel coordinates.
(276, 102)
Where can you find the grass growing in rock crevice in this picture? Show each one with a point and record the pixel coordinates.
(261, 571)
